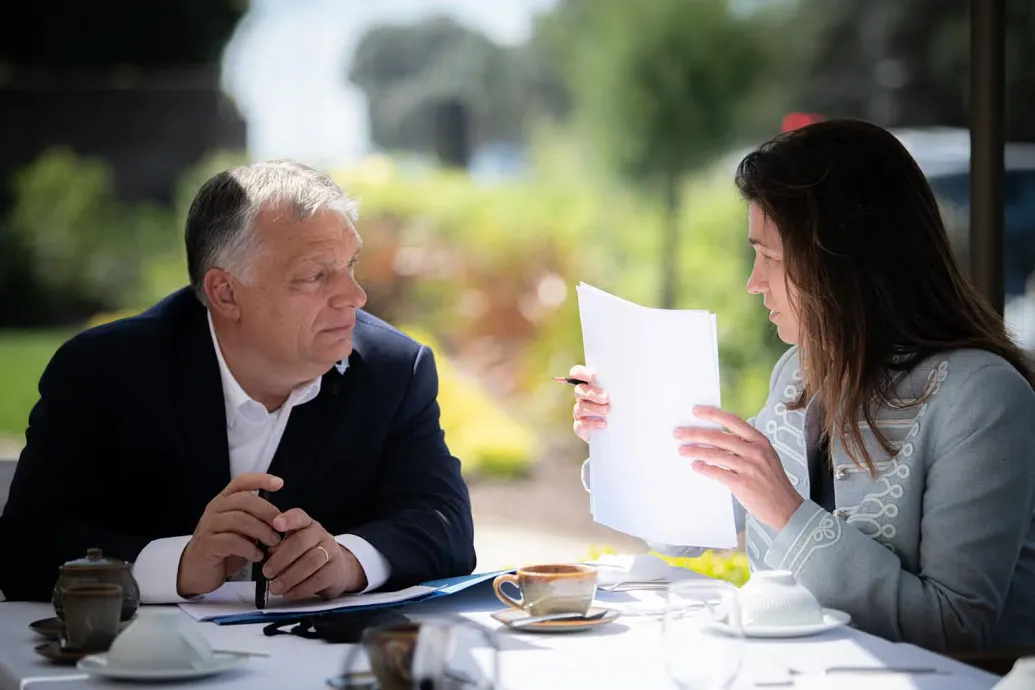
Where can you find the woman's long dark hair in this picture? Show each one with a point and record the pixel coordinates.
(878, 286)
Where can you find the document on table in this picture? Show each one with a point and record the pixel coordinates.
(655, 364)
(234, 602)
(239, 598)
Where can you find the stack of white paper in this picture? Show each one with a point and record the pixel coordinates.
(655, 364)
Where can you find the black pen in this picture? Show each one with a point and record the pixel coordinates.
(262, 585)
(568, 379)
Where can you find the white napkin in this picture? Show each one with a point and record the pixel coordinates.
(640, 568)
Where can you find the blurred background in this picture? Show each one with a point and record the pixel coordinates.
(501, 152)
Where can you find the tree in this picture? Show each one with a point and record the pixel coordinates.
(410, 72)
(658, 84)
(906, 64)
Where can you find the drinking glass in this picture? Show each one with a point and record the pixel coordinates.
(702, 635)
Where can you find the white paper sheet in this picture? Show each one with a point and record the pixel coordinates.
(656, 365)
(239, 597)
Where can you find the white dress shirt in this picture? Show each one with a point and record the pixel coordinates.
(253, 434)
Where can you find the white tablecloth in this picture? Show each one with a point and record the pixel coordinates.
(623, 654)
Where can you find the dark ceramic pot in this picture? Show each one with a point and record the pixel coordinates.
(94, 569)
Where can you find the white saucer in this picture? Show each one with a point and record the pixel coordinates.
(832, 619)
(97, 664)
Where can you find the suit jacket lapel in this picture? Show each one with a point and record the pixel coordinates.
(306, 436)
(197, 397)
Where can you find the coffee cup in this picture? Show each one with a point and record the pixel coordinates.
(549, 589)
(775, 598)
(92, 613)
(157, 640)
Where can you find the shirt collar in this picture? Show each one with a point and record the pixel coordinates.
(238, 402)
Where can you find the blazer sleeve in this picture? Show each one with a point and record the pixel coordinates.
(422, 523)
(61, 460)
(977, 510)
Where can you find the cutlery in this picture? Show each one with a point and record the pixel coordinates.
(883, 669)
(788, 680)
(635, 584)
(239, 652)
(532, 620)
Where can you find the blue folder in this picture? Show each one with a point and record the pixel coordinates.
(442, 588)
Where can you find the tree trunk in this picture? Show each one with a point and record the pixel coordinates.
(670, 243)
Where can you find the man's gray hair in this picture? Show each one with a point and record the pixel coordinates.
(220, 229)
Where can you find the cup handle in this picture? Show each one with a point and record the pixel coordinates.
(497, 586)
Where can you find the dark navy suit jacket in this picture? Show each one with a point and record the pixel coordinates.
(128, 444)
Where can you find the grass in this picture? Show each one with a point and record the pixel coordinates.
(23, 357)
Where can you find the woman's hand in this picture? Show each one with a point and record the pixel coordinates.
(743, 459)
(591, 404)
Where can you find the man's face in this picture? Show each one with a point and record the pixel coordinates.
(299, 305)
(769, 277)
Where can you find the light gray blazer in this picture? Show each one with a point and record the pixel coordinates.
(939, 549)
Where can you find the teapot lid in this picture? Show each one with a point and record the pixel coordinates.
(95, 559)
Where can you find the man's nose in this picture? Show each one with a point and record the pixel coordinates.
(349, 293)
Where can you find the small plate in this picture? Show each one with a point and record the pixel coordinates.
(56, 653)
(508, 616)
(832, 619)
(97, 664)
(51, 628)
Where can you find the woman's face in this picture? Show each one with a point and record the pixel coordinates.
(768, 277)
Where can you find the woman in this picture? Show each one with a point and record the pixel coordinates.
(892, 469)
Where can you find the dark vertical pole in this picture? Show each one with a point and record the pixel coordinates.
(987, 140)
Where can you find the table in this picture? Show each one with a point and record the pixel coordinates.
(622, 654)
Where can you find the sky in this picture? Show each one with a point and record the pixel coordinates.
(287, 62)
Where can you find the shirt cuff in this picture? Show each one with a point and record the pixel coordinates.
(374, 565)
(156, 568)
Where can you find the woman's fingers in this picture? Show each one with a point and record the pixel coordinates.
(584, 427)
(582, 373)
(584, 408)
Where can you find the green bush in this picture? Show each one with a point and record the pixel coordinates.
(489, 271)
(23, 357)
(84, 246)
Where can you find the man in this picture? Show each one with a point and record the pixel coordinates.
(154, 435)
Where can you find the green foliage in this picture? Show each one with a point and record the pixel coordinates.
(489, 271)
(487, 439)
(731, 566)
(23, 356)
(83, 245)
(658, 81)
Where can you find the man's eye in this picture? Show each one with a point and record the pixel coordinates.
(315, 277)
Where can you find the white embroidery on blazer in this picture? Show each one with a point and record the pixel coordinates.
(786, 431)
(827, 533)
(875, 515)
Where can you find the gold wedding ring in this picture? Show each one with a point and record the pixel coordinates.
(326, 555)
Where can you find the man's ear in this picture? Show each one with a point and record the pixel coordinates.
(219, 291)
